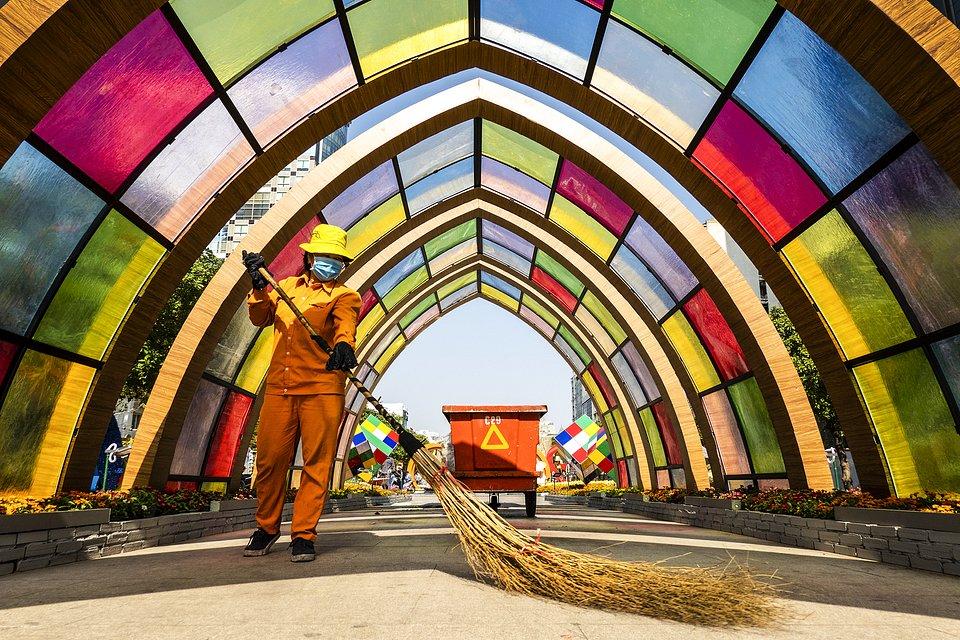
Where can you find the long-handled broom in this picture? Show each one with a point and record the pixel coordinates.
(516, 562)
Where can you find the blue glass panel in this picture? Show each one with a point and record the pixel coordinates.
(643, 283)
(948, 355)
(399, 271)
(435, 152)
(501, 284)
(557, 32)
(662, 259)
(362, 196)
(508, 239)
(460, 294)
(449, 181)
(503, 255)
(517, 185)
(569, 353)
(819, 104)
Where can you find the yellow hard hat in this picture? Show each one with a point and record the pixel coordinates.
(326, 238)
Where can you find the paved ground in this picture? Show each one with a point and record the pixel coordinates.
(397, 573)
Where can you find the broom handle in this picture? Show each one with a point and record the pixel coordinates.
(326, 348)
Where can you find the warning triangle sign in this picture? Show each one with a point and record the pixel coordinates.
(494, 440)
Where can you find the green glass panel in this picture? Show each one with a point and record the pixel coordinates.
(623, 431)
(540, 310)
(519, 152)
(843, 280)
(757, 427)
(450, 238)
(100, 288)
(234, 35)
(604, 317)
(417, 311)
(691, 351)
(653, 438)
(457, 284)
(912, 420)
(559, 273)
(571, 340)
(712, 35)
(387, 32)
(408, 284)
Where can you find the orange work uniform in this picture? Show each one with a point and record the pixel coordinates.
(302, 398)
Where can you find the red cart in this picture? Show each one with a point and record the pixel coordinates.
(495, 449)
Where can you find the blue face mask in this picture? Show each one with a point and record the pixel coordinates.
(327, 269)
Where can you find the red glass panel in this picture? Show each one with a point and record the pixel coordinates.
(226, 439)
(563, 297)
(289, 262)
(668, 433)
(7, 351)
(603, 384)
(751, 164)
(716, 335)
(588, 193)
(126, 103)
(368, 301)
(623, 477)
(177, 485)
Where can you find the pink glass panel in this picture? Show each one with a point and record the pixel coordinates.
(226, 439)
(579, 187)
(751, 164)
(368, 301)
(7, 351)
(671, 445)
(563, 297)
(603, 384)
(596, 3)
(716, 335)
(289, 262)
(126, 103)
(514, 184)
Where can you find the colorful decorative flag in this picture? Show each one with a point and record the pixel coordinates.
(373, 442)
(587, 442)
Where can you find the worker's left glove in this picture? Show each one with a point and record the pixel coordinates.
(342, 359)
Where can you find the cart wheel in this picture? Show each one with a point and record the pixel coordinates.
(530, 502)
(494, 501)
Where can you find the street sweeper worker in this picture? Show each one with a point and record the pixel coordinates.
(304, 396)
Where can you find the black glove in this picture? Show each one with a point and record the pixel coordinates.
(253, 262)
(342, 359)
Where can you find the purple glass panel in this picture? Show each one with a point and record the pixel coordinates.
(126, 103)
(582, 189)
(909, 211)
(294, 82)
(185, 175)
(508, 239)
(362, 196)
(539, 323)
(422, 321)
(498, 177)
(197, 425)
(641, 371)
(662, 259)
(753, 166)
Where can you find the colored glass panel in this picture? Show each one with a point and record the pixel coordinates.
(753, 166)
(8, 351)
(913, 422)
(387, 32)
(187, 173)
(574, 343)
(559, 293)
(691, 351)
(663, 479)
(948, 355)
(656, 86)
(39, 413)
(541, 311)
(503, 255)
(440, 185)
(420, 323)
(289, 261)
(602, 314)
(450, 238)
(100, 288)
(110, 120)
(362, 196)
(514, 184)
(582, 226)
(757, 428)
(843, 280)
(603, 384)
(559, 273)
(233, 35)
(417, 311)
(258, 360)
(588, 193)
(518, 151)
(232, 345)
(399, 271)
(371, 320)
(452, 256)
(437, 151)
(384, 361)
(375, 225)
(653, 438)
(716, 335)
(593, 326)
(499, 296)
(457, 284)
(383, 343)
(634, 390)
(295, 82)
(819, 104)
(227, 436)
(367, 302)
(712, 35)
(641, 370)
(571, 356)
(537, 322)
(668, 432)
(726, 434)
(642, 282)
(909, 213)
(199, 421)
(45, 212)
(458, 296)
(508, 239)
(500, 283)
(664, 261)
(622, 431)
(594, 392)
(408, 284)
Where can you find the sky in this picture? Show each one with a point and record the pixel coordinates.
(479, 353)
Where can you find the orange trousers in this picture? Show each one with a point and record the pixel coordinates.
(315, 419)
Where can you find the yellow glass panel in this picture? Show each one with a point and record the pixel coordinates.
(371, 320)
(624, 432)
(601, 313)
(582, 226)
(374, 225)
(596, 330)
(691, 351)
(456, 285)
(541, 311)
(499, 296)
(594, 392)
(520, 152)
(214, 487)
(258, 360)
(387, 32)
(390, 354)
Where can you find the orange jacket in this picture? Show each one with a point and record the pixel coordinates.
(298, 365)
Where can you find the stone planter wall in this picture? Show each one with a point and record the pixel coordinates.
(573, 500)
(603, 502)
(379, 501)
(918, 548)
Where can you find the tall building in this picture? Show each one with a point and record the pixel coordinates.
(749, 271)
(582, 404)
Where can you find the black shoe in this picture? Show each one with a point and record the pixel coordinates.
(260, 543)
(301, 550)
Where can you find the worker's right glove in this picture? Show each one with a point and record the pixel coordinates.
(254, 262)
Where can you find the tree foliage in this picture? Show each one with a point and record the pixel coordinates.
(144, 373)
